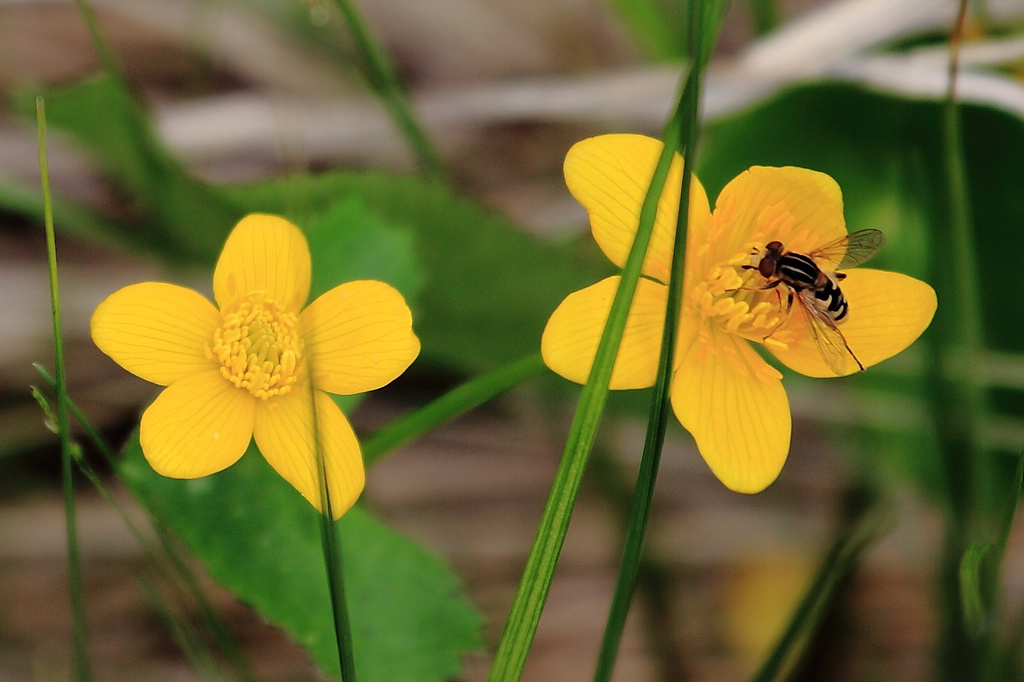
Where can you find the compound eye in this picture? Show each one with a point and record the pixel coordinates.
(767, 266)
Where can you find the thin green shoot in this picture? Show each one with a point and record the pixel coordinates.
(871, 522)
(166, 557)
(82, 666)
(456, 402)
(196, 653)
(382, 78)
(333, 563)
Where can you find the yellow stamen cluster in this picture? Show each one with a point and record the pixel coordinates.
(258, 347)
(731, 299)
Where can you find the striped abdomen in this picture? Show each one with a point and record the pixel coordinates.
(800, 272)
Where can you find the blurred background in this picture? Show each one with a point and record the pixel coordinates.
(244, 90)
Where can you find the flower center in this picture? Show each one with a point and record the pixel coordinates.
(258, 346)
(732, 298)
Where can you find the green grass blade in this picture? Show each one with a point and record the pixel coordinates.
(383, 79)
(869, 524)
(456, 402)
(980, 593)
(960, 402)
(686, 123)
(535, 582)
(83, 668)
(166, 557)
(190, 645)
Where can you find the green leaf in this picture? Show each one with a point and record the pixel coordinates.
(259, 538)
(350, 241)
(488, 288)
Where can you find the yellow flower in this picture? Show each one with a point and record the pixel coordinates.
(722, 391)
(255, 364)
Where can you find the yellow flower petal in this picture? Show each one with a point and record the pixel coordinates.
(197, 426)
(799, 207)
(284, 434)
(734, 405)
(888, 312)
(610, 175)
(156, 331)
(571, 337)
(358, 337)
(264, 253)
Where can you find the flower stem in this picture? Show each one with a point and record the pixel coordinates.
(869, 524)
(381, 76)
(959, 399)
(524, 616)
(339, 604)
(685, 123)
(333, 563)
(81, 655)
(458, 401)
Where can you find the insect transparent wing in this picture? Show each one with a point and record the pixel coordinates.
(830, 341)
(849, 250)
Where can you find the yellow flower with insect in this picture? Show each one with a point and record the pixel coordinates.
(764, 267)
(258, 364)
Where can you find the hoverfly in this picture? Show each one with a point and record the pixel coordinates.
(813, 280)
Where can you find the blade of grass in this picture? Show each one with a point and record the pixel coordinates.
(166, 558)
(524, 616)
(382, 78)
(702, 17)
(83, 668)
(456, 402)
(980, 583)
(959, 399)
(867, 526)
(197, 654)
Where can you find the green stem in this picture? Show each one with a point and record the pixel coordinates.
(458, 401)
(381, 76)
(81, 653)
(870, 524)
(198, 655)
(106, 55)
(660, 411)
(339, 604)
(703, 20)
(1009, 515)
(524, 616)
(333, 562)
(167, 558)
(960, 402)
